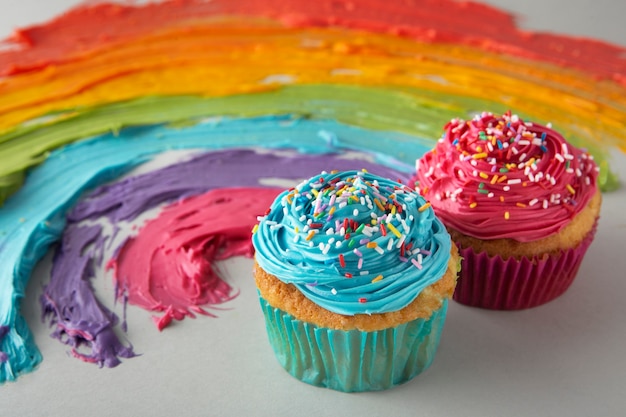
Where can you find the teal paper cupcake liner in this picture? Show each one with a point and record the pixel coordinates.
(353, 360)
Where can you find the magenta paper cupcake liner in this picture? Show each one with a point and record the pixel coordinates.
(494, 283)
(353, 360)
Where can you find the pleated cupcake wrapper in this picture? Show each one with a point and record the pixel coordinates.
(353, 360)
(494, 283)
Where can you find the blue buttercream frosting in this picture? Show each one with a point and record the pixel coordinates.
(353, 242)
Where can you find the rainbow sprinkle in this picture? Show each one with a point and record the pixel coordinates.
(355, 213)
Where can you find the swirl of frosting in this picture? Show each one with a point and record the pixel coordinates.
(500, 177)
(353, 242)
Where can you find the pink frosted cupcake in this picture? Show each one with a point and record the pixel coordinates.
(520, 202)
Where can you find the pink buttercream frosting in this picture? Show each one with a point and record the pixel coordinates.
(500, 177)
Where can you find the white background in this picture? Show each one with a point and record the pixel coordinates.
(562, 359)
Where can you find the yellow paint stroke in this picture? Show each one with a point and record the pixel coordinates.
(233, 57)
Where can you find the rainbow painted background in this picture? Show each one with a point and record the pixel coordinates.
(79, 108)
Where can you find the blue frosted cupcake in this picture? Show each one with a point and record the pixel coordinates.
(354, 274)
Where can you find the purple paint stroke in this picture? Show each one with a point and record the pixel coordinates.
(3, 331)
(70, 303)
(126, 199)
(69, 300)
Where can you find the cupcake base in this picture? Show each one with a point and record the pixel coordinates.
(512, 284)
(353, 360)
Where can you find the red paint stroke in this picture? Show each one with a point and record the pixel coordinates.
(86, 28)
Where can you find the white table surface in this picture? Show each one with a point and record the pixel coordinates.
(565, 358)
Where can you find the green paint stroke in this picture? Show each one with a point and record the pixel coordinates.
(420, 113)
